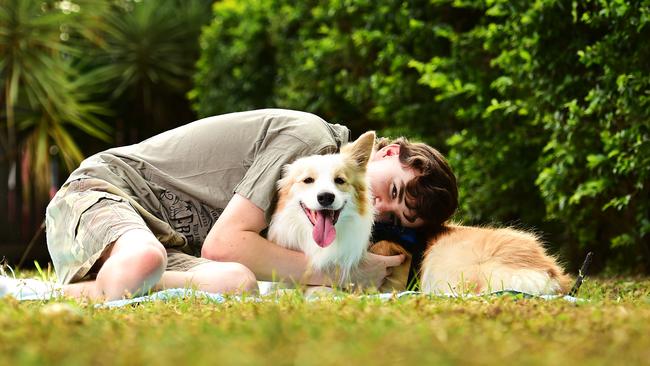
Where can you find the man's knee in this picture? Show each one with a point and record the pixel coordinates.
(133, 267)
(150, 259)
(141, 252)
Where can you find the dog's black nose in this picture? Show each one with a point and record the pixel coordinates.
(325, 198)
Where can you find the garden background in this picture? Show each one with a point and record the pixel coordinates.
(543, 107)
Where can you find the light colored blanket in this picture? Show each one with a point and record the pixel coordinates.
(179, 293)
(31, 289)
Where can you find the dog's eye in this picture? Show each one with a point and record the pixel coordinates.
(339, 180)
(308, 180)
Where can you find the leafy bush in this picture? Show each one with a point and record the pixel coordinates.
(567, 108)
(347, 61)
(541, 105)
(236, 68)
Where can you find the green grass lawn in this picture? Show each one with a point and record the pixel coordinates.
(612, 327)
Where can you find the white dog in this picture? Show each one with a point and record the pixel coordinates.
(325, 207)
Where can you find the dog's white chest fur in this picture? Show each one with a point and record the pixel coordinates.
(325, 207)
(290, 230)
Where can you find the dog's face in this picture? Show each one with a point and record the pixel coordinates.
(322, 187)
(321, 190)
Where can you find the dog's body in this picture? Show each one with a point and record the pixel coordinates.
(324, 207)
(464, 259)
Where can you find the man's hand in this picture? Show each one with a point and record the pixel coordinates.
(374, 269)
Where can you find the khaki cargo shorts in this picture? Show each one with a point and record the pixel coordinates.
(85, 217)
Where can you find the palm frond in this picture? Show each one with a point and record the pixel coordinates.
(43, 88)
(149, 45)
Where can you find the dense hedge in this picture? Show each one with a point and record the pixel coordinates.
(347, 61)
(542, 106)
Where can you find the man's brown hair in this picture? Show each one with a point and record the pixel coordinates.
(433, 193)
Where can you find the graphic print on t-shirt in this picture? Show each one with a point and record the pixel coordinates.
(190, 218)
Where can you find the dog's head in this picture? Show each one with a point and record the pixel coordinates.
(324, 190)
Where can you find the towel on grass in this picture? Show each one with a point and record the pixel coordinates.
(179, 293)
(32, 289)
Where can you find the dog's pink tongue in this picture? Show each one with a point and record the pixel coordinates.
(324, 231)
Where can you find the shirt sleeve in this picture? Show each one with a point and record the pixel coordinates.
(259, 182)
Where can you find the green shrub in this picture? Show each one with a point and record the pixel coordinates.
(236, 67)
(541, 105)
(566, 107)
(347, 61)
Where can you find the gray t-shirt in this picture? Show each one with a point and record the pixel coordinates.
(186, 176)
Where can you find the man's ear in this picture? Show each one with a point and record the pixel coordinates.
(388, 150)
(361, 149)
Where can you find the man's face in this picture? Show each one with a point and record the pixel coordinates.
(388, 179)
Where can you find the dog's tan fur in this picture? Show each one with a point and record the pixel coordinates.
(464, 259)
(356, 155)
(398, 279)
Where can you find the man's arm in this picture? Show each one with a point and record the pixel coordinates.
(235, 238)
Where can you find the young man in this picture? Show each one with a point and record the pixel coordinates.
(189, 207)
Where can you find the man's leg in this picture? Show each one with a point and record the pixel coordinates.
(136, 261)
(215, 277)
(186, 271)
(133, 264)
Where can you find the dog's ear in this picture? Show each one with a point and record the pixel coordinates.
(361, 149)
(285, 179)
